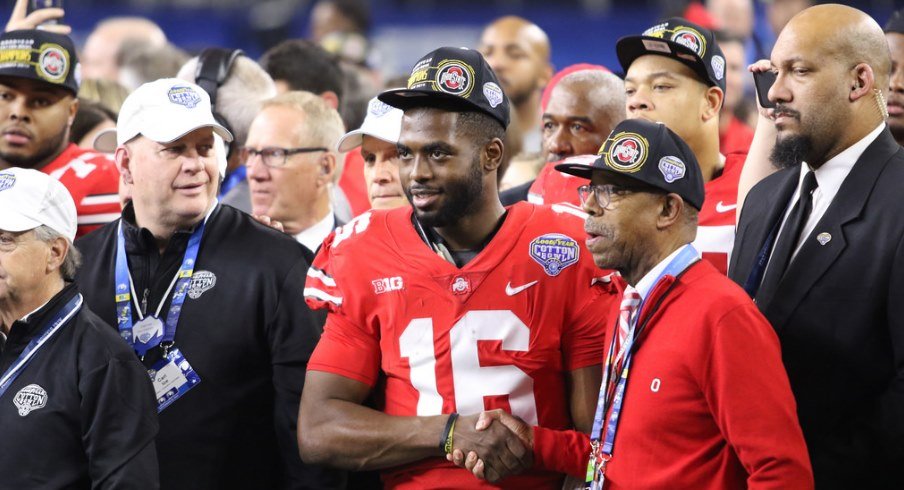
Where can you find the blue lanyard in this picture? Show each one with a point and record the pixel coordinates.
(687, 257)
(53, 326)
(123, 292)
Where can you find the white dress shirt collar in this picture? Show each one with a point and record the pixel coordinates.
(313, 236)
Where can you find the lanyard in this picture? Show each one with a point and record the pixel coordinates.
(124, 288)
(601, 454)
(53, 326)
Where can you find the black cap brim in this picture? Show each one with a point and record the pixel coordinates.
(406, 98)
(630, 48)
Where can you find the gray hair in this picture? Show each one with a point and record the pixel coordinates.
(608, 91)
(240, 97)
(322, 124)
(73, 259)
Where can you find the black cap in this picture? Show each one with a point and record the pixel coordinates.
(679, 39)
(40, 55)
(896, 22)
(453, 79)
(650, 153)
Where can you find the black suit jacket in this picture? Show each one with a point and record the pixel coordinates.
(839, 313)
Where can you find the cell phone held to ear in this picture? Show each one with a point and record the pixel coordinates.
(45, 4)
(763, 81)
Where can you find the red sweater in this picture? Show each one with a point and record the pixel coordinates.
(708, 404)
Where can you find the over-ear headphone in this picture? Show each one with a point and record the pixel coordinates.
(213, 68)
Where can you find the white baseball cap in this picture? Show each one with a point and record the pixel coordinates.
(163, 110)
(382, 121)
(30, 198)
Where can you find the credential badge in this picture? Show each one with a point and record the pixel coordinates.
(29, 399)
(554, 252)
(201, 281)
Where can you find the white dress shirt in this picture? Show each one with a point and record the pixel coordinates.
(829, 178)
(647, 282)
(313, 236)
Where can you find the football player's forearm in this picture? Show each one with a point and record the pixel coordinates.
(354, 437)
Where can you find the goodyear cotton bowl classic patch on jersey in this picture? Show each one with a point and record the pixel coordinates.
(555, 252)
(628, 152)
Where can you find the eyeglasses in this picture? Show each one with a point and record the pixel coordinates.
(275, 157)
(603, 193)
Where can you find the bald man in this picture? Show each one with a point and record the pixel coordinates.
(518, 51)
(894, 34)
(820, 246)
(99, 54)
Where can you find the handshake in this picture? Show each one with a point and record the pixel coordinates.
(492, 445)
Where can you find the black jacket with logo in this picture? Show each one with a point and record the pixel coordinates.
(82, 414)
(247, 333)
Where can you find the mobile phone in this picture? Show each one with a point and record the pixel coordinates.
(45, 4)
(763, 81)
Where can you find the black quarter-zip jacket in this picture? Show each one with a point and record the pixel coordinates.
(245, 330)
(89, 411)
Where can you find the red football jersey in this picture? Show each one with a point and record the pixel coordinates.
(93, 181)
(716, 229)
(500, 332)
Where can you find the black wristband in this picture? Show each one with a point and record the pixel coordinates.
(449, 424)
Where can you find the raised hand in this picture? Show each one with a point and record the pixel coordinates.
(19, 20)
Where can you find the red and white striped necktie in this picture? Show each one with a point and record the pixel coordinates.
(626, 321)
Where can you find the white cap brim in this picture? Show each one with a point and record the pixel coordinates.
(108, 140)
(10, 220)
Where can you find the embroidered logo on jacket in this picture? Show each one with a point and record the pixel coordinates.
(201, 281)
(29, 399)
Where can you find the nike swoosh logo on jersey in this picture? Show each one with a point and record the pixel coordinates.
(724, 208)
(509, 290)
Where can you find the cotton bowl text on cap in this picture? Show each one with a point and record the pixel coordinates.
(681, 40)
(382, 122)
(30, 198)
(650, 153)
(454, 79)
(163, 111)
(42, 56)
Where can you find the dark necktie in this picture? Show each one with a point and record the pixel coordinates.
(787, 241)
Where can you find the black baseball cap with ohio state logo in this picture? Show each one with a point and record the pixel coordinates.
(650, 153)
(454, 79)
(679, 39)
(41, 56)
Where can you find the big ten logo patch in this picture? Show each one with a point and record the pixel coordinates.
(388, 284)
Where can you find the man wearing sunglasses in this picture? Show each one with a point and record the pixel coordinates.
(292, 164)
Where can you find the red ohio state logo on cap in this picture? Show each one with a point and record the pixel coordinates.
(454, 77)
(627, 153)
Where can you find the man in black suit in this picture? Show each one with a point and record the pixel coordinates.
(820, 246)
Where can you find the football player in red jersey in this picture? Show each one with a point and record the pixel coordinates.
(37, 106)
(451, 307)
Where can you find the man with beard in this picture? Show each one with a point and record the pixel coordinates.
(518, 52)
(894, 33)
(820, 245)
(451, 307)
(38, 85)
